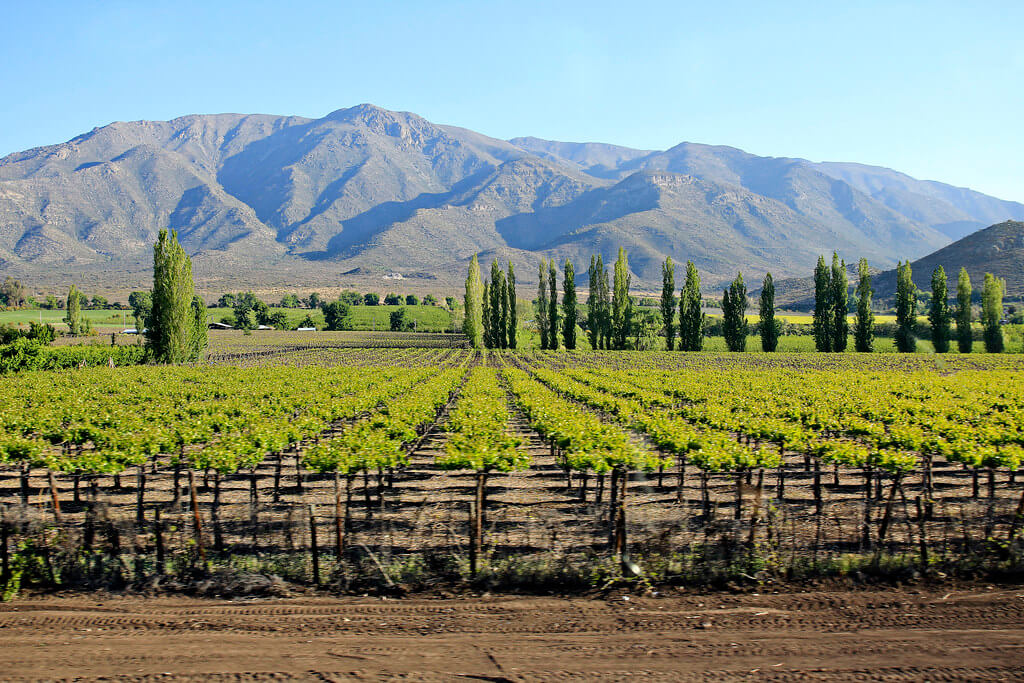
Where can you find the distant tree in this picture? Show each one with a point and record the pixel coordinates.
(400, 321)
(964, 335)
(142, 306)
(499, 316)
(170, 330)
(12, 293)
(668, 302)
(593, 307)
(553, 312)
(279, 321)
(51, 303)
(770, 326)
(691, 313)
(74, 312)
(605, 305)
(308, 322)
(622, 304)
(412, 300)
(906, 309)
(840, 304)
(250, 311)
(98, 302)
(350, 297)
(472, 323)
(314, 300)
(734, 314)
(645, 330)
(569, 312)
(486, 317)
(371, 299)
(225, 301)
(938, 314)
(503, 305)
(543, 298)
(823, 306)
(337, 315)
(449, 301)
(864, 334)
(430, 300)
(510, 301)
(199, 334)
(393, 300)
(992, 312)
(290, 301)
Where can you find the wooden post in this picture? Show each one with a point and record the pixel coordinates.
(196, 519)
(817, 486)
(158, 529)
(922, 537)
(313, 546)
(140, 478)
(887, 515)
(5, 560)
(53, 496)
(25, 470)
(1018, 517)
(339, 522)
(218, 532)
(738, 512)
(682, 479)
(620, 517)
(298, 470)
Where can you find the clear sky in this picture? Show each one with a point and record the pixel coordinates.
(934, 89)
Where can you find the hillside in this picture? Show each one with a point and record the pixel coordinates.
(279, 201)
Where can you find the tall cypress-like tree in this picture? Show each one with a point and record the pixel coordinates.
(770, 327)
(622, 305)
(668, 302)
(570, 314)
(823, 308)
(553, 316)
(938, 314)
(906, 309)
(170, 330)
(593, 305)
(510, 302)
(472, 323)
(606, 305)
(864, 334)
(542, 304)
(200, 337)
(691, 314)
(840, 304)
(486, 315)
(734, 314)
(992, 312)
(499, 319)
(964, 335)
(73, 307)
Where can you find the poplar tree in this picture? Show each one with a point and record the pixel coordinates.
(74, 311)
(542, 303)
(864, 334)
(503, 304)
(823, 308)
(200, 337)
(170, 328)
(472, 324)
(668, 302)
(992, 312)
(499, 318)
(938, 314)
(734, 313)
(906, 309)
(606, 305)
(486, 317)
(769, 325)
(840, 303)
(513, 313)
(622, 305)
(569, 307)
(964, 335)
(552, 306)
(691, 315)
(593, 305)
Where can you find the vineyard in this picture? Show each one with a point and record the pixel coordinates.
(404, 467)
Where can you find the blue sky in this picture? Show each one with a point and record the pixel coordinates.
(934, 89)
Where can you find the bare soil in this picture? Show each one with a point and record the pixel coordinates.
(892, 635)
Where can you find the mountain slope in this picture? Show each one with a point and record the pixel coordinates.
(274, 200)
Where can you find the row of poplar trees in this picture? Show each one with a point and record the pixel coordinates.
(831, 301)
(491, 319)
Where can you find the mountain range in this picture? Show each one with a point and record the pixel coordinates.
(282, 201)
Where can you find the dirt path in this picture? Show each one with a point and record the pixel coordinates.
(892, 635)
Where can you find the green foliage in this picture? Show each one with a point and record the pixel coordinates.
(513, 312)
(142, 307)
(12, 293)
(428, 300)
(543, 296)
(840, 326)
(170, 328)
(622, 304)
(571, 314)
(411, 300)
(479, 437)
(337, 315)
(823, 307)
(691, 314)
(485, 315)
(400, 321)
(289, 301)
(668, 302)
(199, 337)
(497, 311)
(553, 315)
(938, 313)
(74, 311)
(770, 327)
(371, 299)
(992, 313)
(598, 305)
(734, 313)
(906, 309)
(472, 323)
(250, 311)
(30, 354)
(393, 299)
(864, 332)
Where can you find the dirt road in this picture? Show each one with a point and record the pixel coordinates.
(891, 635)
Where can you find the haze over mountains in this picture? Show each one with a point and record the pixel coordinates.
(265, 200)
